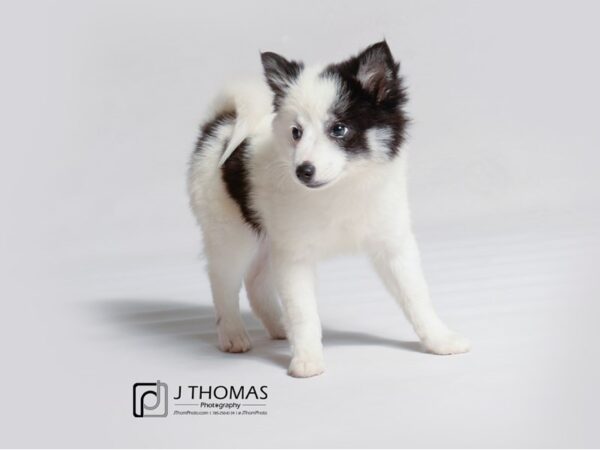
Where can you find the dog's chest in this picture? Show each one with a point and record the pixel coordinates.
(326, 223)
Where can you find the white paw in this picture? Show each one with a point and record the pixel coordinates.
(447, 343)
(233, 339)
(306, 367)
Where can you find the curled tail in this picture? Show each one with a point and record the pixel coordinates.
(247, 104)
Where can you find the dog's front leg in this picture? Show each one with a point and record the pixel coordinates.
(295, 281)
(397, 261)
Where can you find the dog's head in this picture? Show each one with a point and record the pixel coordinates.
(332, 117)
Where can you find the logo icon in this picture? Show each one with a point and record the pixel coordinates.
(150, 399)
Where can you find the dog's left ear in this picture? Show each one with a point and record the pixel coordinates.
(377, 71)
(280, 73)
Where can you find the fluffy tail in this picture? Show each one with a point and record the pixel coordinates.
(252, 104)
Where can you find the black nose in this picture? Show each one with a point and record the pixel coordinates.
(305, 172)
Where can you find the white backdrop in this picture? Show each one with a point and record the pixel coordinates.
(102, 284)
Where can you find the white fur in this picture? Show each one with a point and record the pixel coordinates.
(379, 140)
(362, 207)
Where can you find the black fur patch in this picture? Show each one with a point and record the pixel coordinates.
(209, 129)
(237, 180)
(280, 74)
(374, 101)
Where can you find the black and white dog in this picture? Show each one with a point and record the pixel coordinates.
(305, 166)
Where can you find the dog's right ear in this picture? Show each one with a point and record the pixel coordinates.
(280, 74)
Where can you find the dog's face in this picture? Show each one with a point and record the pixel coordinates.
(332, 117)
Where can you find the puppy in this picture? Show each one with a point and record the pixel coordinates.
(297, 169)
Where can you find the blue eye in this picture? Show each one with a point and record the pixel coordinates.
(296, 133)
(339, 130)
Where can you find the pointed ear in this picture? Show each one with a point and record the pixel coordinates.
(377, 71)
(280, 73)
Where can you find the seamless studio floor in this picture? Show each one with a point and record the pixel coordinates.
(524, 298)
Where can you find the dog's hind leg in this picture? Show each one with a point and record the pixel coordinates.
(229, 250)
(262, 294)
